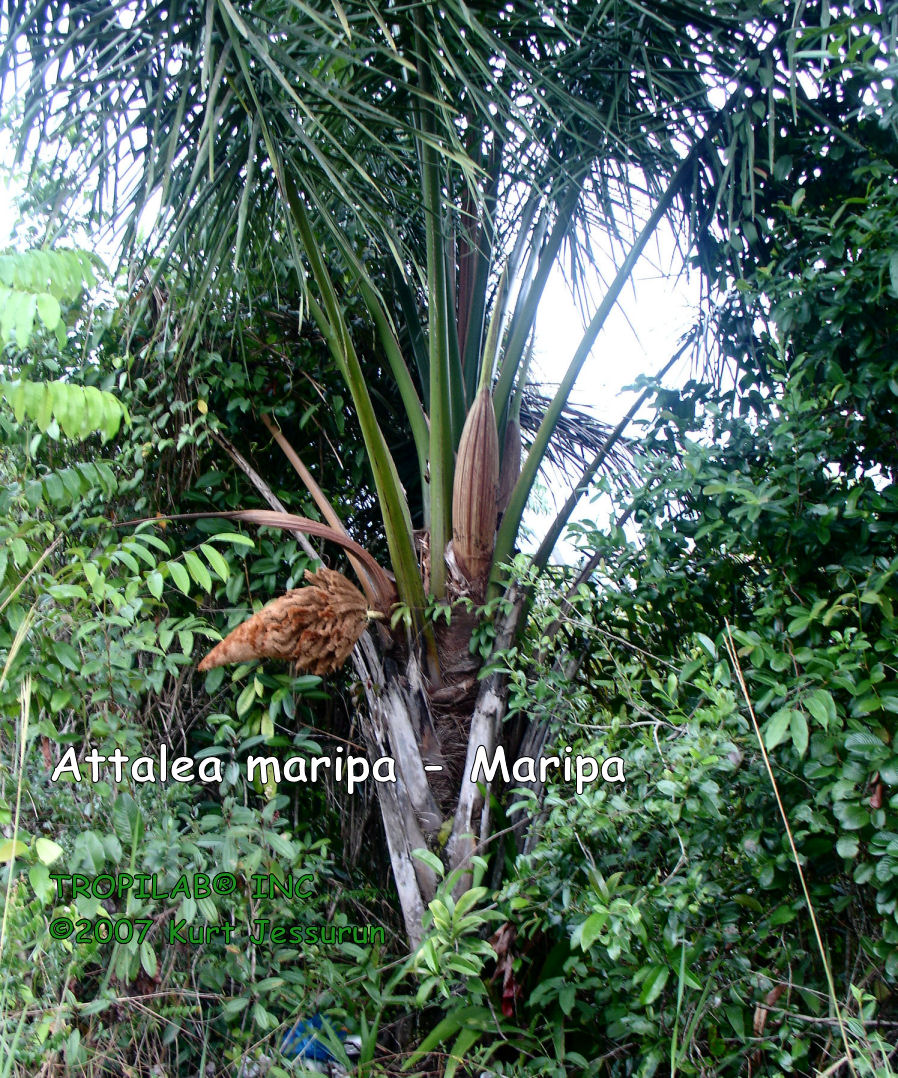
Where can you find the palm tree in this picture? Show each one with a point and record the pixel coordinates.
(436, 160)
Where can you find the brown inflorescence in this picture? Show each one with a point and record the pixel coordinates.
(315, 627)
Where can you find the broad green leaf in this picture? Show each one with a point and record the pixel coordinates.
(776, 727)
(245, 700)
(215, 559)
(847, 846)
(429, 858)
(146, 535)
(155, 584)
(49, 310)
(88, 844)
(148, 958)
(821, 706)
(55, 488)
(127, 820)
(653, 985)
(59, 699)
(24, 319)
(47, 851)
(263, 1018)
(468, 900)
(851, 815)
(39, 878)
(592, 928)
(197, 570)
(67, 591)
(237, 538)
(141, 551)
(708, 644)
(45, 409)
(10, 849)
(96, 1006)
(127, 559)
(798, 727)
(233, 1007)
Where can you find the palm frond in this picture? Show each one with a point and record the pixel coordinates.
(578, 435)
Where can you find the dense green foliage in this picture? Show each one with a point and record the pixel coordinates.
(766, 510)
(100, 634)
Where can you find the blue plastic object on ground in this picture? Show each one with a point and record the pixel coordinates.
(304, 1041)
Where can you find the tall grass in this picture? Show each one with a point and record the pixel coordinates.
(8, 1045)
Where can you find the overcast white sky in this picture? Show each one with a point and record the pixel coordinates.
(639, 337)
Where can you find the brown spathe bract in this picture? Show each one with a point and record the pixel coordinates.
(315, 627)
(474, 490)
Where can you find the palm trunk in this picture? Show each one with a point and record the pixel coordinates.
(399, 721)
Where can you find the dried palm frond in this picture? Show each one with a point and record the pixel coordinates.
(578, 435)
